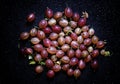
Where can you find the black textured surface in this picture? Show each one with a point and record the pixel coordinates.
(104, 18)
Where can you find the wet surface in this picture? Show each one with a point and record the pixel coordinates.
(103, 18)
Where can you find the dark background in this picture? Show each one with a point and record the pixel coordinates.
(104, 18)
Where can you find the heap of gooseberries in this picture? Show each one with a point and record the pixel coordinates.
(62, 41)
